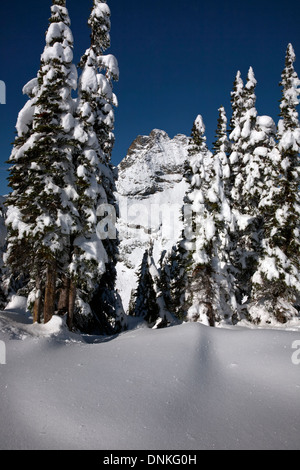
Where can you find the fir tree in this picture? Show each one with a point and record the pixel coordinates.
(218, 205)
(177, 295)
(277, 279)
(199, 230)
(244, 120)
(244, 237)
(287, 233)
(173, 281)
(194, 175)
(222, 147)
(237, 104)
(94, 256)
(144, 304)
(17, 271)
(42, 215)
(235, 157)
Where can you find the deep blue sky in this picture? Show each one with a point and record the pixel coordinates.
(177, 59)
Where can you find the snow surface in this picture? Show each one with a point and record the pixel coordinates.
(181, 388)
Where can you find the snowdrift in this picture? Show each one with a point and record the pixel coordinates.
(187, 387)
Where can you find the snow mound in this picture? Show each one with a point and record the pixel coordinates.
(16, 322)
(17, 304)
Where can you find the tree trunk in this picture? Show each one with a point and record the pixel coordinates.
(50, 292)
(71, 307)
(38, 304)
(63, 302)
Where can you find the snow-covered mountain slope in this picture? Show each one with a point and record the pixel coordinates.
(187, 387)
(150, 192)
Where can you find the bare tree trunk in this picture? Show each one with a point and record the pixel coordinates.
(38, 304)
(63, 302)
(71, 309)
(50, 292)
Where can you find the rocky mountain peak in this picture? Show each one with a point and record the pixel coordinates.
(152, 163)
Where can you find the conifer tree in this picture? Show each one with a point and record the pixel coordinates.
(211, 284)
(41, 211)
(218, 205)
(222, 148)
(173, 281)
(199, 230)
(177, 265)
(237, 104)
(244, 118)
(235, 158)
(244, 237)
(17, 270)
(287, 233)
(144, 302)
(277, 279)
(94, 256)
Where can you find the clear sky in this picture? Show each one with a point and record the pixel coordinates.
(177, 59)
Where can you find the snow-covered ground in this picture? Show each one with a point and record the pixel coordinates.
(186, 387)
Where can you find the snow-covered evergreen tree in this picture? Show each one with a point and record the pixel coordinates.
(287, 229)
(41, 211)
(173, 280)
(144, 303)
(276, 283)
(16, 275)
(148, 301)
(94, 256)
(195, 175)
(245, 236)
(235, 158)
(244, 118)
(218, 205)
(237, 104)
(206, 238)
(222, 147)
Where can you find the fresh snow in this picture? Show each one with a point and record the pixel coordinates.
(186, 387)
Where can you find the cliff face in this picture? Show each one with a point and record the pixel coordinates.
(153, 164)
(150, 192)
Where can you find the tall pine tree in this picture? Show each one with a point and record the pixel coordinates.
(41, 211)
(244, 236)
(277, 280)
(199, 230)
(144, 302)
(222, 147)
(94, 255)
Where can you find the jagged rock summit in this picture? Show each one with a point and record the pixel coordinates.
(153, 164)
